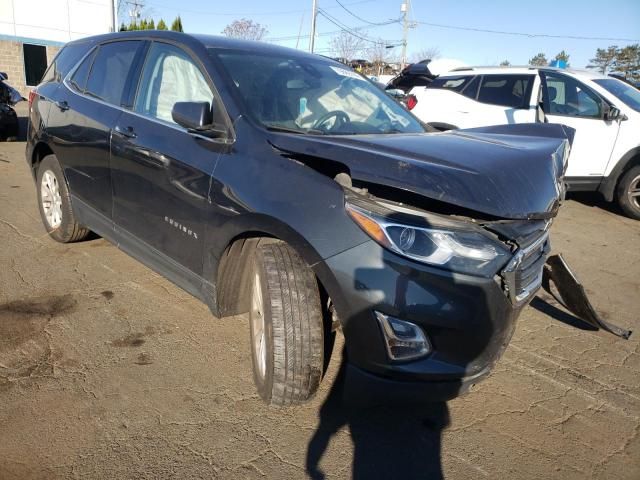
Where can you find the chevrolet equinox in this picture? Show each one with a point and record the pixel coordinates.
(266, 180)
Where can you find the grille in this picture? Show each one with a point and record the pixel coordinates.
(523, 274)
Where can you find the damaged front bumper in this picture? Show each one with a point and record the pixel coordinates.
(571, 294)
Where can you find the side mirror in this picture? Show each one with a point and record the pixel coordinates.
(611, 113)
(192, 115)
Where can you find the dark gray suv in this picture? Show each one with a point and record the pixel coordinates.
(266, 180)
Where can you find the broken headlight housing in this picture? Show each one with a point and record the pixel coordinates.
(431, 239)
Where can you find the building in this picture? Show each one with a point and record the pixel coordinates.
(33, 31)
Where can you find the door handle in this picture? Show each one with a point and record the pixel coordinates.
(127, 132)
(62, 105)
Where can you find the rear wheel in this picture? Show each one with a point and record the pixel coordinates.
(628, 193)
(286, 326)
(54, 203)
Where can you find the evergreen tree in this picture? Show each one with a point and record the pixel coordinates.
(604, 58)
(162, 25)
(540, 60)
(176, 26)
(123, 27)
(151, 25)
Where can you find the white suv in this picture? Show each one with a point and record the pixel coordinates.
(604, 111)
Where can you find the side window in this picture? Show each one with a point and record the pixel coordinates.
(110, 69)
(169, 76)
(471, 89)
(79, 78)
(64, 62)
(506, 90)
(456, 84)
(568, 96)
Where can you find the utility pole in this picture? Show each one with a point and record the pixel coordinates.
(114, 15)
(404, 8)
(314, 14)
(134, 13)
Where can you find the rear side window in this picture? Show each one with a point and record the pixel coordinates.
(64, 62)
(456, 84)
(506, 90)
(110, 69)
(79, 78)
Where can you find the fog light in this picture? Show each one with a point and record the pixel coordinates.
(404, 340)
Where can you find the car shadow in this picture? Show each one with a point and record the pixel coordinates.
(543, 306)
(389, 440)
(594, 199)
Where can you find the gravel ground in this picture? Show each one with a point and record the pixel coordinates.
(107, 370)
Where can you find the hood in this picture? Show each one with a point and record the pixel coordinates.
(506, 171)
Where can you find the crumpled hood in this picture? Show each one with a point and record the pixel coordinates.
(506, 171)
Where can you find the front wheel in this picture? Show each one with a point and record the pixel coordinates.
(287, 340)
(54, 203)
(628, 193)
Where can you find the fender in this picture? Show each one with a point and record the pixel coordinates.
(608, 184)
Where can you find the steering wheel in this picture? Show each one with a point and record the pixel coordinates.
(341, 119)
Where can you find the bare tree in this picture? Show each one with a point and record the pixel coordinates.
(346, 46)
(378, 54)
(430, 53)
(245, 29)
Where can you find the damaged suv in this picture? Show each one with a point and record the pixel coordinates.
(266, 180)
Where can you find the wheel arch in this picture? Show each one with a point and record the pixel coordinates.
(40, 150)
(228, 260)
(608, 185)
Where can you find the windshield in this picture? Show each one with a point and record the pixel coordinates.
(628, 94)
(312, 95)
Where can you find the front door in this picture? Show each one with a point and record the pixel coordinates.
(160, 172)
(570, 102)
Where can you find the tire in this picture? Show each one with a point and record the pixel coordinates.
(628, 193)
(53, 194)
(287, 342)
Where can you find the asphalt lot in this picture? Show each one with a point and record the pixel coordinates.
(107, 370)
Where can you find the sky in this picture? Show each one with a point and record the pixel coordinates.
(614, 22)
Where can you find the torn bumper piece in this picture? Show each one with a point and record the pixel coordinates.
(573, 297)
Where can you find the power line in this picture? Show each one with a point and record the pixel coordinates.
(349, 30)
(246, 14)
(360, 18)
(522, 34)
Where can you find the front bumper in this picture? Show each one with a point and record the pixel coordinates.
(469, 320)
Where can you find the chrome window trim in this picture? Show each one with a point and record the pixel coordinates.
(66, 82)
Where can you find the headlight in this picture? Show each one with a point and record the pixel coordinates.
(455, 249)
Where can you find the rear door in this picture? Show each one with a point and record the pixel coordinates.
(570, 102)
(85, 110)
(502, 99)
(161, 173)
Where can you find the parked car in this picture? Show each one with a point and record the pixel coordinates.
(604, 111)
(9, 96)
(270, 181)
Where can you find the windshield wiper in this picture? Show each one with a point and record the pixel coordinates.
(312, 131)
